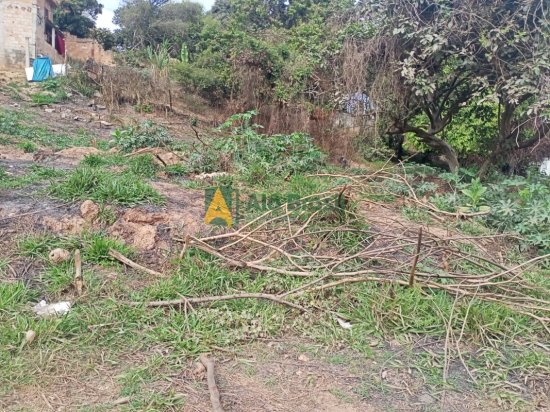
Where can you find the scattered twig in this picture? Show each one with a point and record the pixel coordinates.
(207, 299)
(184, 247)
(416, 256)
(211, 379)
(121, 401)
(121, 258)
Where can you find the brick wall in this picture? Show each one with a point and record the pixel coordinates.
(84, 49)
(16, 32)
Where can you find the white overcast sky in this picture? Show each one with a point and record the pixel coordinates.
(109, 6)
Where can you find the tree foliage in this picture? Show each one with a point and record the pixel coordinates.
(436, 57)
(77, 16)
(142, 23)
(462, 77)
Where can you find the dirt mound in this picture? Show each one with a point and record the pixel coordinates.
(73, 225)
(74, 155)
(14, 153)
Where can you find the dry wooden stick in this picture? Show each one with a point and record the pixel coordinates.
(206, 299)
(211, 379)
(78, 281)
(416, 256)
(121, 258)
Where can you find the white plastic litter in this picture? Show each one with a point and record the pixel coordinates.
(44, 309)
(545, 167)
(343, 323)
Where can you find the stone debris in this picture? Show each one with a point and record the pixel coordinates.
(89, 210)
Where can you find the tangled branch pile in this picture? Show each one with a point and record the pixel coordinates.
(324, 240)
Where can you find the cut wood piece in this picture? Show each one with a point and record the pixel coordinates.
(212, 387)
(78, 281)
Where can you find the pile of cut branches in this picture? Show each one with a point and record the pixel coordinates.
(324, 239)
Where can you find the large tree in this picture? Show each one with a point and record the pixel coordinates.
(77, 16)
(146, 23)
(429, 59)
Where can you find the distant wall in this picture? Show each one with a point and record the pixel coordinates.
(85, 49)
(25, 30)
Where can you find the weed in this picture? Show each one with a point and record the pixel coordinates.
(47, 98)
(13, 294)
(143, 108)
(27, 147)
(107, 215)
(415, 214)
(176, 170)
(143, 165)
(97, 245)
(20, 125)
(94, 245)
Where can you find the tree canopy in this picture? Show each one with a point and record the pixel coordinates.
(77, 16)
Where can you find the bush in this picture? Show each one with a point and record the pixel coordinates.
(147, 134)
(203, 80)
(258, 157)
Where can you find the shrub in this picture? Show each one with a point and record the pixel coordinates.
(203, 80)
(147, 134)
(258, 157)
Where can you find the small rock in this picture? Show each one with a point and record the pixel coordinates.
(199, 369)
(303, 358)
(101, 107)
(59, 255)
(89, 210)
(29, 337)
(103, 123)
(168, 158)
(48, 110)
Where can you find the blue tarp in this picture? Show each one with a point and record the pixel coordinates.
(42, 69)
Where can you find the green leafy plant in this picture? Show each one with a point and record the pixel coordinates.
(143, 108)
(147, 134)
(475, 192)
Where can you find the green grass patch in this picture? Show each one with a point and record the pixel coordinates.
(35, 174)
(104, 186)
(23, 126)
(94, 245)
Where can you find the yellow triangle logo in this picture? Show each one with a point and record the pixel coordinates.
(218, 213)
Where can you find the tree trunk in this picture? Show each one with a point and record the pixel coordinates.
(451, 158)
(440, 146)
(504, 131)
